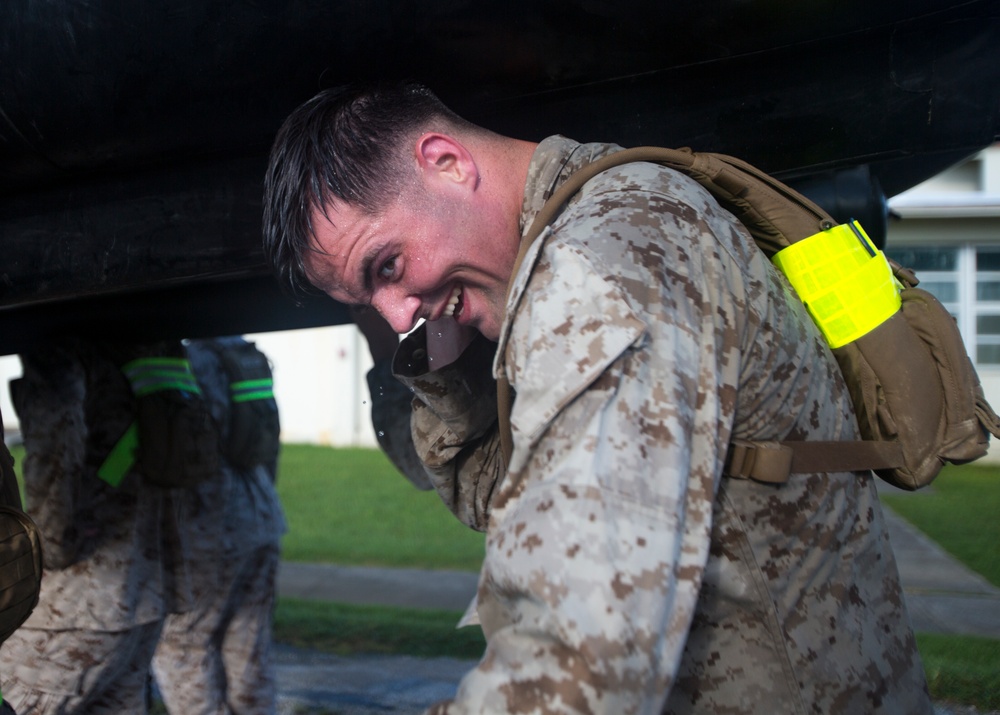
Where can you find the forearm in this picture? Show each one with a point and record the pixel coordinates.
(590, 579)
(453, 428)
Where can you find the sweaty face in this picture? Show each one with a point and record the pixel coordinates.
(430, 258)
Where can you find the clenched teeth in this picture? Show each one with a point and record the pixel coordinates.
(449, 309)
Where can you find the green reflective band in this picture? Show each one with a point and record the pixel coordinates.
(148, 375)
(121, 458)
(247, 390)
(147, 388)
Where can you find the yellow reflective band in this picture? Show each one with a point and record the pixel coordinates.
(845, 282)
(121, 458)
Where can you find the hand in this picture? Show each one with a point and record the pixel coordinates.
(446, 340)
(382, 339)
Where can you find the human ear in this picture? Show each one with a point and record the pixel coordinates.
(443, 157)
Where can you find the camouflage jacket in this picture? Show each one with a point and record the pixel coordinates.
(111, 553)
(623, 573)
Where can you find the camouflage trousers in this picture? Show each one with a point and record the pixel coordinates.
(81, 672)
(216, 658)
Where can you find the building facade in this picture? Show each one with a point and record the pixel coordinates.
(948, 230)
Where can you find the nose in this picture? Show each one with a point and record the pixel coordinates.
(401, 311)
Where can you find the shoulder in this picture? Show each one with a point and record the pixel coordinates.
(644, 217)
(575, 321)
(642, 194)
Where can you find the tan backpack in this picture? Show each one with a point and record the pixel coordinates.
(917, 397)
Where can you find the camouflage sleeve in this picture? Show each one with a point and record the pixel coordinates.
(454, 424)
(49, 400)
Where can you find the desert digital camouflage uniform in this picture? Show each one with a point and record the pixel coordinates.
(623, 573)
(216, 658)
(14, 608)
(110, 553)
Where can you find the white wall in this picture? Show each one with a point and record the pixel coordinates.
(959, 207)
(10, 368)
(320, 385)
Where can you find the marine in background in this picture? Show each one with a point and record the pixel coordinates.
(216, 658)
(109, 519)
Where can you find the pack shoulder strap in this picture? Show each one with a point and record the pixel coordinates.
(743, 190)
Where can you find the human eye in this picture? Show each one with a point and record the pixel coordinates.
(387, 269)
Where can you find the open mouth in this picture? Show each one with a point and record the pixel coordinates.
(454, 307)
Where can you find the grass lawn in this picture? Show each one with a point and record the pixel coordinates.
(960, 512)
(350, 506)
(343, 629)
(962, 669)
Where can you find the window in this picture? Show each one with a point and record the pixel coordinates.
(987, 305)
(937, 269)
(966, 279)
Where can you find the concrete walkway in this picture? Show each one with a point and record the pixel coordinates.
(943, 597)
(407, 588)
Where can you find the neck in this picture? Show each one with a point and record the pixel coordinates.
(507, 172)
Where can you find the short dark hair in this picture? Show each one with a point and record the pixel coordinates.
(343, 144)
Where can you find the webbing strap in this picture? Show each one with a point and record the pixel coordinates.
(774, 462)
(247, 390)
(156, 374)
(722, 175)
(121, 458)
(739, 187)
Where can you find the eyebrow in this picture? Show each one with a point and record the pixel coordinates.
(366, 268)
